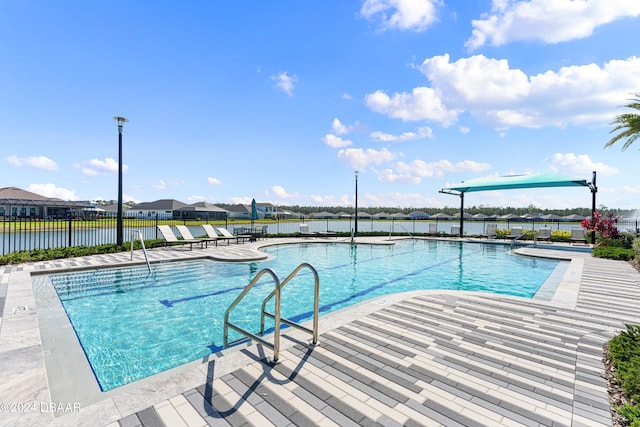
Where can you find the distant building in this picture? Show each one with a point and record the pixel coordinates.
(202, 211)
(17, 203)
(269, 211)
(161, 209)
(175, 209)
(241, 211)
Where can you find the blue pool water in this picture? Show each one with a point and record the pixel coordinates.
(133, 324)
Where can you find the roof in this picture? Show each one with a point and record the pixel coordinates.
(18, 196)
(239, 208)
(159, 205)
(510, 182)
(202, 207)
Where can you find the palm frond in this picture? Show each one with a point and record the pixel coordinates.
(628, 124)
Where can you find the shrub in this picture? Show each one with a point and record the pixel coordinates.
(627, 239)
(613, 252)
(70, 252)
(560, 236)
(602, 226)
(624, 350)
(636, 248)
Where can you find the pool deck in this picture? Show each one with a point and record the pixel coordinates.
(420, 358)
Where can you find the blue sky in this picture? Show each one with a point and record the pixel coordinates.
(284, 101)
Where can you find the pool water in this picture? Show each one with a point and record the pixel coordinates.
(133, 324)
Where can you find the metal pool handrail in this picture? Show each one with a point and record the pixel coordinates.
(275, 346)
(316, 304)
(144, 250)
(276, 332)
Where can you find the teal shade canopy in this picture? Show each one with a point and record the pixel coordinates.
(509, 182)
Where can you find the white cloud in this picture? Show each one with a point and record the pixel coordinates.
(335, 141)
(423, 132)
(342, 129)
(163, 185)
(580, 164)
(417, 170)
(285, 82)
(359, 159)
(213, 181)
(414, 15)
(463, 129)
(51, 190)
(476, 80)
(550, 21)
(422, 103)
(196, 198)
(126, 198)
(280, 192)
(503, 97)
(331, 200)
(40, 162)
(95, 167)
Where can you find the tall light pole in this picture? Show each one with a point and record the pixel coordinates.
(356, 219)
(121, 121)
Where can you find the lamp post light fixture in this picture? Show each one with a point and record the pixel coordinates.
(119, 233)
(356, 217)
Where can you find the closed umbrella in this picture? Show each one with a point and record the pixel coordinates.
(254, 211)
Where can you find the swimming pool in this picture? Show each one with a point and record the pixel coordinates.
(132, 324)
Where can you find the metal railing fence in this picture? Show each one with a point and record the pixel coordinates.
(23, 235)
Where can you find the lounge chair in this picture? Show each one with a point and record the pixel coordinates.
(491, 232)
(578, 236)
(186, 234)
(226, 234)
(544, 233)
(211, 233)
(455, 230)
(171, 238)
(516, 233)
(433, 229)
(304, 231)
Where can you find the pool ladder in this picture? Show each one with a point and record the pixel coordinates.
(275, 346)
(513, 241)
(144, 250)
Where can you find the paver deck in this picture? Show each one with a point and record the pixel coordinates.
(422, 358)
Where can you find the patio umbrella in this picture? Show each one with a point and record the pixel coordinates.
(254, 212)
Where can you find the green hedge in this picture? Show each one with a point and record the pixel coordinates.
(613, 252)
(624, 351)
(70, 252)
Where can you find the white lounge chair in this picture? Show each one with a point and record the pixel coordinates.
(170, 238)
(433, 229)
(186, 234)
(304, 231)
(455, 230)
(212, 234)
(227, 235)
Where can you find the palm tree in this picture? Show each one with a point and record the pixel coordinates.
(628, 124)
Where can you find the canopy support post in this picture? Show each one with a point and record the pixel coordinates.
(461, 214)
(461, 194)
(594, 190)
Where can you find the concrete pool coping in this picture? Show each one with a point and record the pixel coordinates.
(21, 349)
